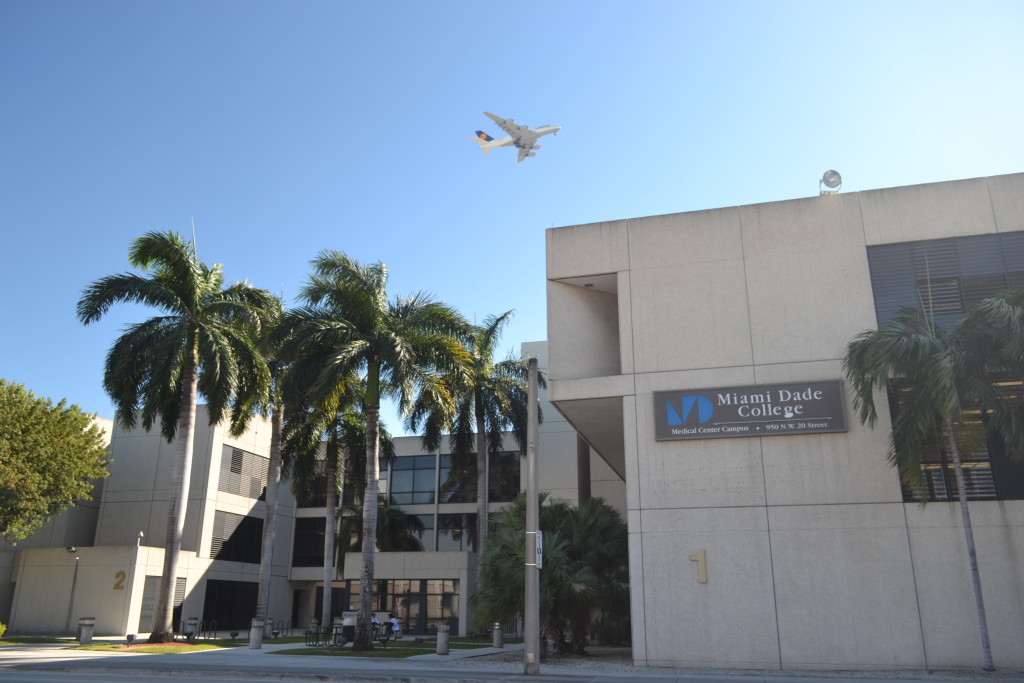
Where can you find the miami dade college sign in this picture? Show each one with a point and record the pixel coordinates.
(759, 410)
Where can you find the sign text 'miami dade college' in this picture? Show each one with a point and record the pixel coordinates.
(759, 410)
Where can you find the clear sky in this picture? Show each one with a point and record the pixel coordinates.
(284, 128)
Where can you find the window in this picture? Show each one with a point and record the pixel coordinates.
(421, 529)
(457, 484)
(236, 538)
(421, 604)
(243, 473)
(412, 480)
(946, 277)
(456, 533)
(503, 477)
(308, 542)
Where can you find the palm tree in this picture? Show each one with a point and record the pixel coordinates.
(272, 402)
(397, 532)
(347, 325)
(941, 375)
(321, 438)
(584, 581)
(203, 343)
(490, 398)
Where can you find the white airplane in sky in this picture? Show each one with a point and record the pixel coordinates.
(522, 137)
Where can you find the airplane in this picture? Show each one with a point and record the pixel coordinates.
(522, 137)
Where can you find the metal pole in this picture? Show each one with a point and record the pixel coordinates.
(531, 626)
(71, 602)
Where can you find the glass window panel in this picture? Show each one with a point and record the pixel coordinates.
(504, 476)
(423, 480)
(946, 277)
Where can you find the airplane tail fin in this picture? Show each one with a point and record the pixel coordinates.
(481, 138)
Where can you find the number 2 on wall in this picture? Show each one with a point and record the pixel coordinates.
(702, 566)
(119, 582)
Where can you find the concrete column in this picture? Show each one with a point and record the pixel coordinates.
(582, 469)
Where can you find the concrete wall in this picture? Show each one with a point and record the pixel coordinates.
(813, 559)
(54, 588)
(134, 499)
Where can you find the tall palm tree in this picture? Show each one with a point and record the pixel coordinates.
(202, 343)
(321, 438)
(942, 374)
(491, 397)
(348, 325)
(273, 403)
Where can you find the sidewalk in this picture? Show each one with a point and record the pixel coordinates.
(460, 666)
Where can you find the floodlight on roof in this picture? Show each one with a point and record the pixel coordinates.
(832, 180)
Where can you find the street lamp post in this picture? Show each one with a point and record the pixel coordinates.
(531, 625)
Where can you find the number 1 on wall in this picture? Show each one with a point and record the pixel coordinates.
(702, 566)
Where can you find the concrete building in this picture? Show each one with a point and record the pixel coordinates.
(765, 541)
(110, 568)
(104, 559)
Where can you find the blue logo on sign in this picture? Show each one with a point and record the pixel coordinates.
(679, 417)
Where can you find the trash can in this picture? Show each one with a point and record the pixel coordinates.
(499, 635)
(348, 629)
(442, 639)
(86, 626)
(192, 629)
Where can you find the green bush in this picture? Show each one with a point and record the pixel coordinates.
(3, 629)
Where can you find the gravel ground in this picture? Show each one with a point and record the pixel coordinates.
(620, 660)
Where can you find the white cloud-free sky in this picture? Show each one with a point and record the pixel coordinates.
(284, 128)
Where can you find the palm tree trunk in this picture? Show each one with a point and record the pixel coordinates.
(181, 472)
(364, 640)
(972, 554)
(330, 525)
(482, 502)
(269, 522)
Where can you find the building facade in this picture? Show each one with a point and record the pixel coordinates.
(104, 559)
(765, 540)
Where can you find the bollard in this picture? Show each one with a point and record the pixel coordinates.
(86, 625)
(499, 635)
(442, 639)
(256, 634)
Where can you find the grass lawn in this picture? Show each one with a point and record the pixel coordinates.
(395, 650)
(31, 640)
(163, 648)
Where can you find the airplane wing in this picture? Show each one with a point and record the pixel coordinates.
(509, 126)
(523, 151)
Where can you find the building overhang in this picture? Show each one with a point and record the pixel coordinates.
(593, 407)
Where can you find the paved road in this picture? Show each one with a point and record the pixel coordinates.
(53, 663)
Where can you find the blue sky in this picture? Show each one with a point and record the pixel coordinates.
(284, 128)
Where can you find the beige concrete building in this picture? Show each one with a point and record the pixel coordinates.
(109, 567)
(765, 541)
(103, 559)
